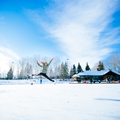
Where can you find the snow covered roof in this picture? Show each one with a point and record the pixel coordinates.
(95, 73)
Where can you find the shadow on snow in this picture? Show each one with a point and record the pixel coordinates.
(107, 99)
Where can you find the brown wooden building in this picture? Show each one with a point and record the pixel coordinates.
(98, 75)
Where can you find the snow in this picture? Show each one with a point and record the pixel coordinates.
(60, 102)
(34, 81)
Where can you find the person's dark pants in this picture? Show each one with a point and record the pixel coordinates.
(44, 74)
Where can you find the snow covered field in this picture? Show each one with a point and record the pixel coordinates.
(29, 81)
(60, 102)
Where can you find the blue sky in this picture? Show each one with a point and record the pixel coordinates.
(81, 30)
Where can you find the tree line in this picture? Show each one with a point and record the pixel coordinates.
(58, 69)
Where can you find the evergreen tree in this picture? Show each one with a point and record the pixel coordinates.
(10, 74)
(64, 71)
(57, 72)
(74, 70)
(71, 72)
(101, 66)
(87, 68)
(79, 68)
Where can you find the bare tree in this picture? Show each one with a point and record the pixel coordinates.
(28, 69)
(22, 70)
(50, 72)
(18, 69)
(26, 66)
(36, 68)
(56, 67)
(113, 62)
(95, 66)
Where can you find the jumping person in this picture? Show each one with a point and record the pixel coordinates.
(44, 66)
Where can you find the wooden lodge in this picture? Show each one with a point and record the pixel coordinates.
(97, 75)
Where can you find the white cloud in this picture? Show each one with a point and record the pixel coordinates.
(77, 27)
(9, 52)
(6, 56)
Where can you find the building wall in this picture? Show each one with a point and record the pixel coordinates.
(112, 76)
(106, 76)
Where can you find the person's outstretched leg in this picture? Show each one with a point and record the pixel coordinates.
(39, 74)
(33, 74)
(36, 74)
(48, 78)
(43, 74)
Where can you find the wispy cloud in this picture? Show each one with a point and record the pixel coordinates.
(78, 25)
(7, 55)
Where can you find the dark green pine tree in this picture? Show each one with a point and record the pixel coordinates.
(74, 70)
(64, 71)
(87, 68)
(71, 72)
(100, 66)
(79, 68)
(10, 74)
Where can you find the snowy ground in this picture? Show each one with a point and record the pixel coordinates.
(60, 102)
(29, 81)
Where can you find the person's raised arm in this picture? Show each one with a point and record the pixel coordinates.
(38, 64)
(50, 61)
